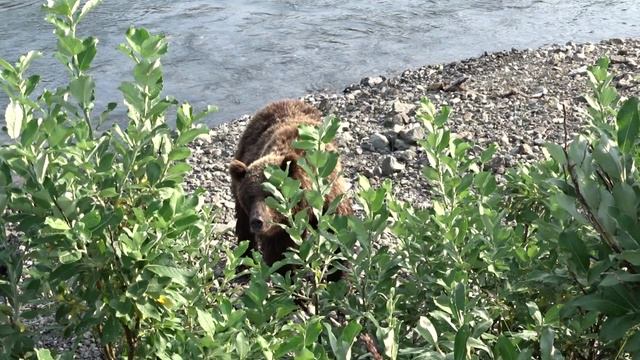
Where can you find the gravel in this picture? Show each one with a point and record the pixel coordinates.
(511, 98)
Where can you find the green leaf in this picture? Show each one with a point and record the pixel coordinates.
(180, 153)
(178, 276)
(312, 331)
(632, 256)
(633, 344)
(460, 343)
(242, 345)
(329, 166)
(487, 154)
(105, 163)
(85, 58)
(619, 277)
(65, 271)
(188, 136)
(305, 354)
(330, 127)
(132, 95)
(82, 88)
(505, 348)
(206, 322)
(547, 350)
(112, 330)
(428, 331)
(614, 328)
(70, 256)
(556, 152)
(41, 165)
(186, 220)
(87, 7)
(32, 82)
(341, 347)
(534, 312)
(70, 46)
(6, 65)
(57, 224)
(154, 171)
(570, 242)
(628, 121)
(460, 298)
(43, 354)
(25, 60)
(625, 199)
(14, 117)
(108, 193)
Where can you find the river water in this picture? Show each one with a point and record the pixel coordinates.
(240, 54)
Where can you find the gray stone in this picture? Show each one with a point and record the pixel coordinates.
(372, 81)
(505, 139)
(400, 145)
(402, 118)
(390, 165)
(397, 119)
(406, 156)
(498, 165)
(525, 149)
(412, 134)
(402, 107)
(379, 143)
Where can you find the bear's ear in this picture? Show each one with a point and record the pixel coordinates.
(291, 159)
(237, 169)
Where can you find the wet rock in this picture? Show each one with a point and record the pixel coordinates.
(372, 81)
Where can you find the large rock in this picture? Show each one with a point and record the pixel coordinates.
(372, 81)
(412, 134)
(390, 165)
(400, 107)
(379, 143)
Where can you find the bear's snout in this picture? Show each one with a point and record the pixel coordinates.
(259, 217)
(256, 225)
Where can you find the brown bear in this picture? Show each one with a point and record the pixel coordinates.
(267, 140)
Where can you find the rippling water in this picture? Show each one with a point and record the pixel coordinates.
(240, 54)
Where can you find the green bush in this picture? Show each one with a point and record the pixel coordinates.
(542, 263)
(105, 221)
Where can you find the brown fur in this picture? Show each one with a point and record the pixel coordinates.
(267, 141)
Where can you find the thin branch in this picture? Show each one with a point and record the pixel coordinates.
(599, 227)
(371, 346)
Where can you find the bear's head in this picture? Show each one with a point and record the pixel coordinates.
(247, 185)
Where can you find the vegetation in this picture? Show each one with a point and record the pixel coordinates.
(541, 265)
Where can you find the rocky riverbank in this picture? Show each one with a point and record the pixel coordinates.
(510, 98)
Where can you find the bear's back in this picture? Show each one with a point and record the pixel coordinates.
(272, 129)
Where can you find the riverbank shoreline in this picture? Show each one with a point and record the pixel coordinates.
(511, 98)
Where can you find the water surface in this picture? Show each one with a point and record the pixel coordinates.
(240, 54)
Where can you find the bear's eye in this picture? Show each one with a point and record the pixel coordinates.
(249, 198)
